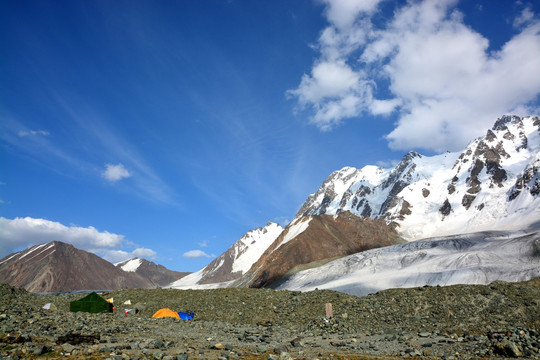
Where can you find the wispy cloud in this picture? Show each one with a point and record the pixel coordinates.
(1, 200)
(426, 66)
(86, 140)
(203, 243)
(41, 146)
(113, 146)
(23, 232)
(116, 172)
(525, 18)
(33, 133)
(194, 254)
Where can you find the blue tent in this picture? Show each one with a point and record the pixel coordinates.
(186, 315)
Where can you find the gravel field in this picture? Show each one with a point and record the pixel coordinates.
(500, 320)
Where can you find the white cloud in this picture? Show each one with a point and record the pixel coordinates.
(23, 232)
(451, 87)
(327, 80)
(334, 91)
(20, 233)
(193, 254)
(114, 173)
(343, 13)
(384, 107)
(442, 82)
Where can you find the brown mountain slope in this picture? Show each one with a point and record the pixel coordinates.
(57, 266)
(316, 238)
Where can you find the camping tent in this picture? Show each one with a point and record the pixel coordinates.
(161, 313)
(186, 315)
(50, 306)
(92, 303)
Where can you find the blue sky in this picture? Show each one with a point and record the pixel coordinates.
(167, 129)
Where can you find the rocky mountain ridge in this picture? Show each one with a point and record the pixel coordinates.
(493, 184)
(57, 267)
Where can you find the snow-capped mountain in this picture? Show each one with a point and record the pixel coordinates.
(478, 258)
(234, 262)
(157, 274)
(494, 184)
(57, 266)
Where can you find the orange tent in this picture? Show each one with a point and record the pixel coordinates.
(161, 313)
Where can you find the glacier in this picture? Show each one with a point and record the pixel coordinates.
(476, 258)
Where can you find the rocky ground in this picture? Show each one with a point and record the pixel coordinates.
(501, 320)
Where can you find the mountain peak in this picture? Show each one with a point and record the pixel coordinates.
(411, 155)
(234, 262)
(450, 193)
(503, 121)
(57, 266)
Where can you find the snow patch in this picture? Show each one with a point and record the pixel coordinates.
(31, 250)
(131, 265)
(47, 248)
(9, 258)
(293, 231)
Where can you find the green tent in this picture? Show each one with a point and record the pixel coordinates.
(92, 303)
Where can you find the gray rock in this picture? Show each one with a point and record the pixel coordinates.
(39, 350)
(508, 348)
(285, 356)
(68, 348)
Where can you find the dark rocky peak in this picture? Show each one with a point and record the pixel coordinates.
(410, 155)
(529, 180)
(502, 123)
(490, 136)
(402, 172)
(327, 188)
